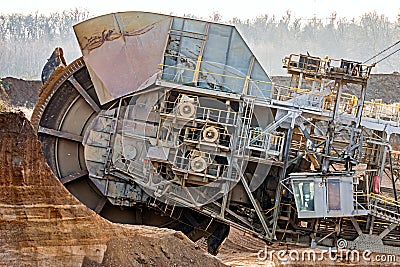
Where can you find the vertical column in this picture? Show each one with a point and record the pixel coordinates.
(200, 57)
(282, 176)
(247, 80)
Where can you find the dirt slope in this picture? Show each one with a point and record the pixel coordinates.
(18, 92)
(41, 224)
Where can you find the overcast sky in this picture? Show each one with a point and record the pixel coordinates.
(228, 9)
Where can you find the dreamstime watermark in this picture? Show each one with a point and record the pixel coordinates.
(341, 254)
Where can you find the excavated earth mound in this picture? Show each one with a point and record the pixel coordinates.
(42, 224)
(18, 92)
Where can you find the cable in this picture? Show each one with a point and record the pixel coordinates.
(396, 43)
(394, 52)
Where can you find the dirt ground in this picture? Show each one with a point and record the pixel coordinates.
(42, 224)
(241, 249)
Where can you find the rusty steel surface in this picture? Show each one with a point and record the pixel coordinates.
(124, 53)
(122, 57)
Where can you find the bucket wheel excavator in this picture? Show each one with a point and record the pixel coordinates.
(173, 122)
(98, 118)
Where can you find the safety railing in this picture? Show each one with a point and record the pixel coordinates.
(384, 199)
(193, 110)
(327, 66)
(269, 143)
(348, 103)
(212, 76)
(384, 207)
(351, 68)
(207, 80)
(305, 63)
(377, 109)
(298, 96)
(371, 109)
(262, 89)
(237, 83)
(360, 202)
(201, 166)
(372, 148)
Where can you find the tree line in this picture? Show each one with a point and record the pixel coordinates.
(26, 41)
(355, 39)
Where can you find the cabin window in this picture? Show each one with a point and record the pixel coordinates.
(304, 193)
(334, 194)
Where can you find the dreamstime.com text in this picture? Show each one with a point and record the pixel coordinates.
(307, 255)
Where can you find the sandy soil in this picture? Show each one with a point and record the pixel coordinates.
(42, 224)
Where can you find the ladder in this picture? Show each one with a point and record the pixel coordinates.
(245, 121)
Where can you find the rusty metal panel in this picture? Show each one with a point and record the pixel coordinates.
(122, 51)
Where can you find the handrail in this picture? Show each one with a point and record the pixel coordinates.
(388, 200)
(310, 64)
(348, 104)
(205, 72)
(381, 204)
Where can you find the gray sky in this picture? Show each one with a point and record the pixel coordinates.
(204, 8)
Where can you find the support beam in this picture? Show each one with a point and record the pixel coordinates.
(255, 206)
(371, 226)
(224, 203)
(138, 216)
(247, 80)
(74, 176)
(100, 205)
(386, 148)
(387, 230)
(61, 134)
(282, 176)
(200, 56)
(331, 132)
(392, 176)
(84, 94)
(356, 226)
(325, 237)
(368, 222)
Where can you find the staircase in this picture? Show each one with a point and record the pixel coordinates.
(385, 208)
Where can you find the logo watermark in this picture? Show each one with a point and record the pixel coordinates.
(342, 254)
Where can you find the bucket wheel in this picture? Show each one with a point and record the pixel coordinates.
(67, 105)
